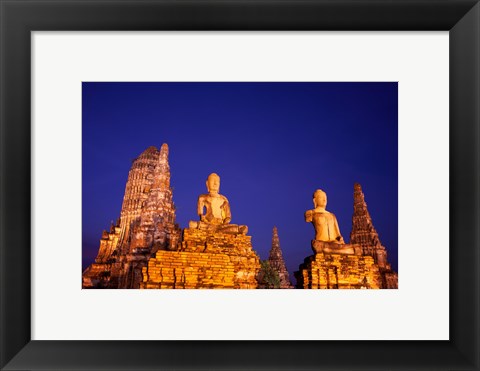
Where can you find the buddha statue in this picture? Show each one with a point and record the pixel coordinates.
(327, 233)
(324, 222)
(214, 210)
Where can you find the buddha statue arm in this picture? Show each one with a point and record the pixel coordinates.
(309, 216)
(227, 215)
(200, 206)
(338, 237)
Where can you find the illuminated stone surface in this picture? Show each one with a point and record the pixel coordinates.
(214, 210)
(360, 264)
(146, 225)
(145, 248)
(335, 271)
(206, 260)
(324, 222)
(327, 233)
(214, 254)
(364, 234)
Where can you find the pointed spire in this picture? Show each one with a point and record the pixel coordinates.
(163, 153)
(162, 169)
(160, 199)
(363, 231)
(275, 252)
(277, 263)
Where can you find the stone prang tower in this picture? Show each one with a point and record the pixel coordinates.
(364, 234)
(277, 263)
(146, 225)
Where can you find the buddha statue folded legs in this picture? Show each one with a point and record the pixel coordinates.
(221, 228)
(335, 248)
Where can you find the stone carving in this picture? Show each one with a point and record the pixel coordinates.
(324, 222)
(146, 248)
(214, 210)
(214, 254)
(327, 233)
(361, 264)
(364, 234)
(146, 225)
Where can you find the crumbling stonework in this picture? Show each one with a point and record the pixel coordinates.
(336, 271)
(146, 249)
(364, 234)
(146, 225)
(361, 264)
(277, 263)
(206, 260)
(108, 243)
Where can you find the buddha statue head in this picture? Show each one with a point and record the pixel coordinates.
(320, 199)
(213, 184)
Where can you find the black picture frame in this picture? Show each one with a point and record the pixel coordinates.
(19, 18)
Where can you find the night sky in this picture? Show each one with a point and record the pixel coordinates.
(273, 145)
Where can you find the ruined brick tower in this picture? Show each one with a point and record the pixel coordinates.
(277, 263)
(146, 225)
(364, 234)
(154, 229)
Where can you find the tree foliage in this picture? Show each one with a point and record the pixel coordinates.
(269, 278)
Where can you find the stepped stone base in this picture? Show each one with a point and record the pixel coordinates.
(336, 271)
(206, 260)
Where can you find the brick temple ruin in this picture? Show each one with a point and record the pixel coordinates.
(361, 264)
(277, 263)
(147, 249)
(146, 225)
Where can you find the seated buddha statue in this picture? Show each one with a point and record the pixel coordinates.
(327, 233)
(214, 210)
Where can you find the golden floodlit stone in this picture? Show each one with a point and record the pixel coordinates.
(361, 264)
(146, 224)
(214, 254)
(327, 233)
(324, 222)
(338, 271)
(206, 259)
(214, 210)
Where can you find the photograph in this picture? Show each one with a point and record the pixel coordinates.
(174, 172)
(240, 185)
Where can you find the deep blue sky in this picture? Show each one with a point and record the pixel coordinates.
(273, 145)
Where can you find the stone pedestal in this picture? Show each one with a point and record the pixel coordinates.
(206, 260)
(338, 271)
